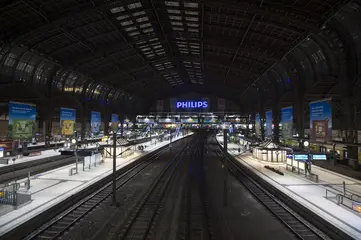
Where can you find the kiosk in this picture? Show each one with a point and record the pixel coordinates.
(270, 152)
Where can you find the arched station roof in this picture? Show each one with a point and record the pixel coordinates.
(240, 49)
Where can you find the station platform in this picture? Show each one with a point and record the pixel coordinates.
(310, 194)
(49, 188)
(44, 154)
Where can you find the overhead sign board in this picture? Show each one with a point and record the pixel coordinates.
(300, 157)
(319, 157)
(192, 104)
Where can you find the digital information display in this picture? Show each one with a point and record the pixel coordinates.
(319, 157)
(300, 157)
(192, 104)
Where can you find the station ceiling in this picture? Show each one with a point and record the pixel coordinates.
(155, 49)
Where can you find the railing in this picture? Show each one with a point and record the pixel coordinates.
(346, 201)
(8, 194)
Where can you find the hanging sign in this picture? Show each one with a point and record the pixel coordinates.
(321, 120)
(115, 122)
(22, 118)
(287, 122)
(258, 125)
(268, 130)
(95, 122)
(67, 121)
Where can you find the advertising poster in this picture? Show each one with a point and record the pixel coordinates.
(22, 118)
(115, 122)
(258, 125)
(268, 130)
(95, 122)
(287, 122)
(321, 120)
(67, 121)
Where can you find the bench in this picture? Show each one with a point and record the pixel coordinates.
(72, 171)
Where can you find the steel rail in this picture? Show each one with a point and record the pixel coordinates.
(55, 228)
(149, 206)
(301, 228)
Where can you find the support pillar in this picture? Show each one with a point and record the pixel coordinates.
(299, 112)
(262, 116)
(106, 117)
(121, 119)
(225, 181)
(46, 121)
(276, 115)
(83, 121)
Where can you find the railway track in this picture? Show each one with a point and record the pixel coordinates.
(142, 219)
(64, 221)
(197, 219)
(300, 227)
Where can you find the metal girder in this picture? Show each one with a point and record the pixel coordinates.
(202, 39)
(56, 20)
(240, 44)
(224, 67)
(275, 64)
(245, 32)
(231, 44)
(265, 22)
(252, 60)
(93, 51)
(125, 39)
(177, 63)
(91, 60)
(41, 41)
(311, 25)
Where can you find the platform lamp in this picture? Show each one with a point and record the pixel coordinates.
(307, 144)
(73, 141)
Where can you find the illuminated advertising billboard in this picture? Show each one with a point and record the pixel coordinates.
(258, 125)
(115, 121)
(67, 121)
(192, 104)
(22, 118)
(268, 129)
(321, 120)
(287, 122)
(95, 122)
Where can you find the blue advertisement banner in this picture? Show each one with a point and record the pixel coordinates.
(95, 122)
(115, 121)
(258, 125)
(321, 120)
(67, 121)
(115, 118)
(268, 129)
(22, 118)
(287, 122)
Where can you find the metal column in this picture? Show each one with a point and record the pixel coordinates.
(225, 181)
(114, 203)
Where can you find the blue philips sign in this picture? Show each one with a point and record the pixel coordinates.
(192, 104)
